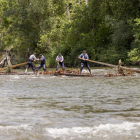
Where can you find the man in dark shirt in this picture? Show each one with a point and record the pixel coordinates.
(42, 64)
(84, 55)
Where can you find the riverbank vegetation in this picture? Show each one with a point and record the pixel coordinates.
(107, 29)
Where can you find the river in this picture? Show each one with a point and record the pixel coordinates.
(69, 108)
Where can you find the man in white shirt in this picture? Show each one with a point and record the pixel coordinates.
(32, 58)
(60, 61)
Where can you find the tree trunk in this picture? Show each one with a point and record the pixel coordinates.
(37, 19)
(86, 2)
(67, 10)
(94, 26)
(8, 58)
(78, 1)
(2, 63)
(68, 13)
(27, 54)
(0, 33)
(53, 13)
(0, 40)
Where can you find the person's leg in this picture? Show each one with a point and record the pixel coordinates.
(82, 65)
(32, 66)
(60, 63)
(44, 67)
(28, 65)
(58, 66)
(87, 65)
(63, 67)
(39, 66)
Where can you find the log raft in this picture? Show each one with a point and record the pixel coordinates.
(77, 73)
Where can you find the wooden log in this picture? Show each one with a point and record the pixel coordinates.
(130, 69)
(106, 64)
(13, 66)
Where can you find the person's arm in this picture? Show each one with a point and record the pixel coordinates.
(36, 59)
(87, 57)
(79, 57)
(62, 59)
(57, 59)
(33, 58)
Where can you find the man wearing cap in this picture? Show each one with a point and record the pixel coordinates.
(84, 55)
(32, 58)
(60, 61)
(42, 64)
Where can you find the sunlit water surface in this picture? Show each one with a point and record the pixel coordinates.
(69, 108)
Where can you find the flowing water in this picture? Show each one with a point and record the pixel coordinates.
(69, 108)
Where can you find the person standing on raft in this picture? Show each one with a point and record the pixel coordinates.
(60, 61)
(32, 59)
(42, 64)
(84, 56)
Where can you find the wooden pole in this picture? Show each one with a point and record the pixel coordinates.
(106, 64)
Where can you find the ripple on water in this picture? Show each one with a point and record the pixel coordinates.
(124, 130)
(49, 107)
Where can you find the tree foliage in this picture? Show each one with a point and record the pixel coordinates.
(108, 30)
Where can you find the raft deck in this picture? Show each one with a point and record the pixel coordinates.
(64, 74)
